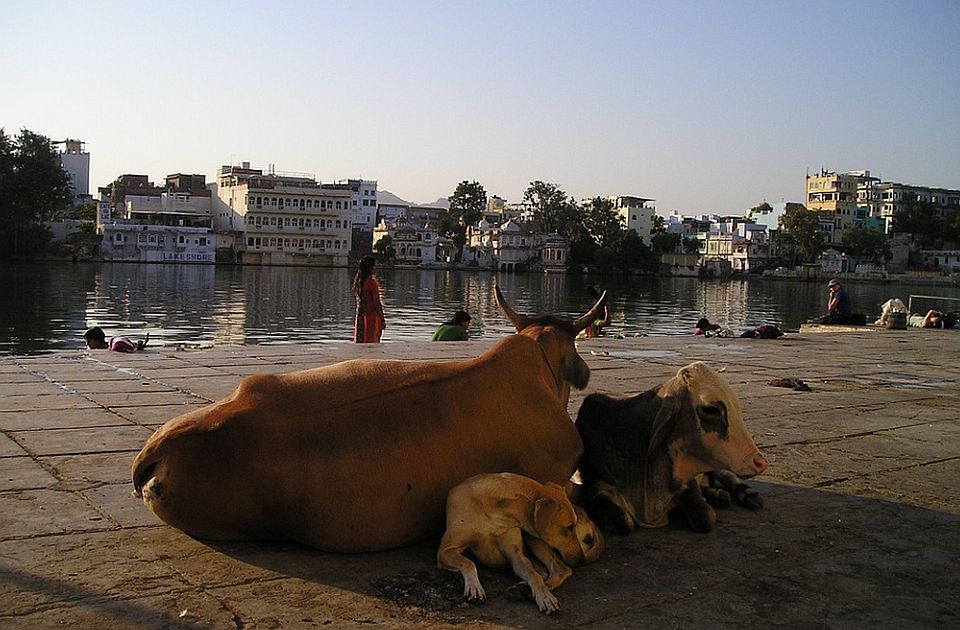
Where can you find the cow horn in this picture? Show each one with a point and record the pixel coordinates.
(584, 320)
(515, 319)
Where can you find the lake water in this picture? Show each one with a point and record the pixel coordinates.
(48, 306)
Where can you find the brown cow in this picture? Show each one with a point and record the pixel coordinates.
(360, 455)
(646, 455)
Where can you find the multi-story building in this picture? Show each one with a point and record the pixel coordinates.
(835, 197)
(282, 218)
(76, 162)
(886, 199)
(414, 243)
(740, 243)
(172, 227)
(856, 197)
(514, 246)
(636, 213)
(363, 204)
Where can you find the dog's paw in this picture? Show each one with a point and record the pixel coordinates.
(473, 591)
(546, 602)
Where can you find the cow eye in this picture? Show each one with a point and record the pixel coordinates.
(713, 417)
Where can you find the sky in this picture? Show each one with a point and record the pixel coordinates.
(703, 106)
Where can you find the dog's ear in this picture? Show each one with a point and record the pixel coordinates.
(545, 512)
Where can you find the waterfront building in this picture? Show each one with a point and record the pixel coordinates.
(172, 227)
(857, 197)
(886, 199)
(636, 213)
(515, 245)
(742, 245)
(278, 218)
(835, 197)
(946, 260)
(414, 243)
(76, 163)
(363, 203)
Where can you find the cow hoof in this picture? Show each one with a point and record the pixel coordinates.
(747, 497)
(717, 498)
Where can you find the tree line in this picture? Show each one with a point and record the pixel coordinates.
(33, 188)
(597, 232)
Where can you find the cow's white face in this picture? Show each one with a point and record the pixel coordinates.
(713, 435)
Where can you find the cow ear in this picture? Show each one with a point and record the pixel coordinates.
(664, 422)
(575, 370)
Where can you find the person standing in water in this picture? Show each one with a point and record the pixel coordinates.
(369, 322)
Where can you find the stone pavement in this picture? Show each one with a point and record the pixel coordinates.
(861, 526)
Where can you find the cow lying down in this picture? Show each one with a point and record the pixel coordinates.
(360, 455)
(647, 455)
(495, 516)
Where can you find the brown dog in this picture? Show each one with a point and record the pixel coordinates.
(493, 515)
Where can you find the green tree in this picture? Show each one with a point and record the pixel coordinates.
(665, 242)
(632, 253)
(550, 206)
(918, 219)
(691, 245)
(861, 241)
(467, 204)
(385, 247)
(602, 222)
(33, 188)
(800, 232)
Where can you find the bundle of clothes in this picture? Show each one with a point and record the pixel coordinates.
(707, 329)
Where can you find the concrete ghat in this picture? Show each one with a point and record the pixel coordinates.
(861, 525)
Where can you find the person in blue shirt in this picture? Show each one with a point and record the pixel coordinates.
(839, 310)
(839, 302)
(455, 329)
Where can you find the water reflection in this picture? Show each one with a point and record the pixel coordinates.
(205, 305)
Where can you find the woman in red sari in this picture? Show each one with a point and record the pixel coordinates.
(369, 323)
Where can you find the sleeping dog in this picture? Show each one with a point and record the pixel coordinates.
(494, 515)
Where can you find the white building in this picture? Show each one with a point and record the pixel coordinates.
(414, 243)
(283, 218)
(174, 227)
(363, 204)
(636, 212)
(514, 246)
(76, 162)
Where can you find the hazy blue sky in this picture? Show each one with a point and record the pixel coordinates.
(704, 106)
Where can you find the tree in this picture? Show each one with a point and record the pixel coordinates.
(632, 253)
(863, 242)
(33, 188)
(385, 247)
(800, 231)
(665, 242)
(467, 204)
(691, 245)
(550, 206)
(602, 222)
(918, 219)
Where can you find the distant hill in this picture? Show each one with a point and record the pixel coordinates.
(388, 198)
